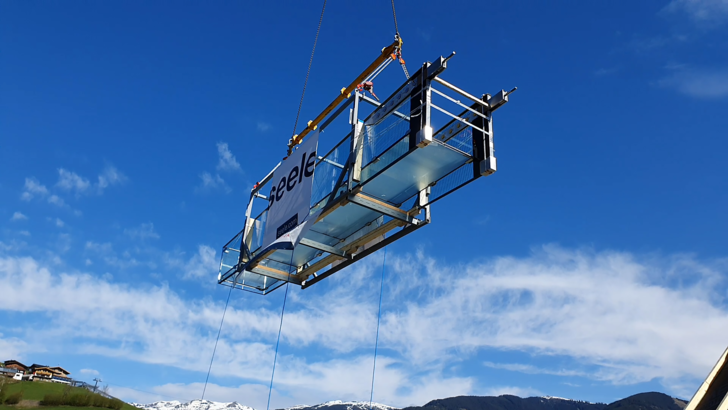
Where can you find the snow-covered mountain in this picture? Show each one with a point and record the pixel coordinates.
(213, 405)
(641, 401)
(191, 405)
(343, 405)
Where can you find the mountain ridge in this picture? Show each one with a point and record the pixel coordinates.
(640, 401)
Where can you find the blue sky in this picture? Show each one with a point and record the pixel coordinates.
(592, 265)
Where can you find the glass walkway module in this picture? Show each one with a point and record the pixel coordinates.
(374, 186)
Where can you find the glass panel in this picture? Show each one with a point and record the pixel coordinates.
(381, 137)
(454, 180)
(255, 236)
(230, 255)
(462, 141)
(328, 171)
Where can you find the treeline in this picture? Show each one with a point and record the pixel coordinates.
(80, 399)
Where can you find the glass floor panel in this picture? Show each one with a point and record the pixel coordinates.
(414, 172)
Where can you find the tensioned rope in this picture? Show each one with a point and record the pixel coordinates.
(379, 318)
(396, 29)
(295, 125)
(308, 72)
(217, 340)
(394, 13)
(278, 341)
(384, 260)
(270, 389)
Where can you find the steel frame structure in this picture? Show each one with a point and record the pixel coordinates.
(377, 184)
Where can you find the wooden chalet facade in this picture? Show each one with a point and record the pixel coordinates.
(14, 364)
(15, 369)
(50, 372)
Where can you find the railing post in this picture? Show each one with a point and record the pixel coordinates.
(484, 162)
(354, 119)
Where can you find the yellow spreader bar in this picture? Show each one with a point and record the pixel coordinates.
(344, 94)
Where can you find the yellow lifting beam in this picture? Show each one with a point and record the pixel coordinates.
(387, 52)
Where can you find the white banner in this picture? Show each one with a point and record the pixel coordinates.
(290, 194)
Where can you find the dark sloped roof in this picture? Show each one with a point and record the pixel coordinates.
(9, 362)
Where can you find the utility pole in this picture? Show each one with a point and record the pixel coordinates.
(97, 380)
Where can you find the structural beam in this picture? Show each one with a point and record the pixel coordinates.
(350, 248)
(275, 274)
(345, 93)
(323, 247)
(386, 241)
(382, 207)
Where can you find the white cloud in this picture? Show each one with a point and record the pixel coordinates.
(250, 395)
(70, 181)
(142, 232)
(17, 216)
(33, 187)
(99, 247)
(628, 319)
(13, 246)
(210, 182)
(90, 372)
(512, 390)
(227, 161)
(106, 253)
(636, 320)
(203, 264)
(110, 176)
(56, 200)
(158, 327)
(12, 348)
(706, 13)
(59, 202)
(63, 244)
(56, 221)
(263, 126)
(530, 369)
(698, 83)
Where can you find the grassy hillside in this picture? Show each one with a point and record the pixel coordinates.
(35, 391)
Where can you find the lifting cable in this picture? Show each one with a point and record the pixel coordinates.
(217, 340)
(278, 341)
(280, 327)
(379, 318)
(308, 72)
(384, 259)
(394, 13)
(396, 30)
(295, 125)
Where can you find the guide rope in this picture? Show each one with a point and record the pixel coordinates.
(278, 341)
(217, 340)
(379, 318)
(308, 72)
